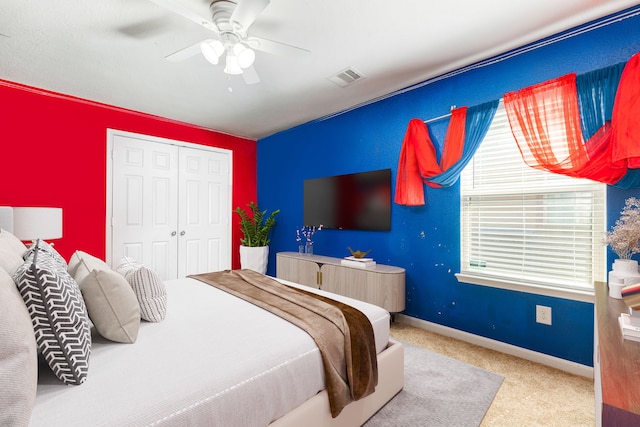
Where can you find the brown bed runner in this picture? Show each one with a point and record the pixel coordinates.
(343, 334)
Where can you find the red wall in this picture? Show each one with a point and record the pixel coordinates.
(54, 154)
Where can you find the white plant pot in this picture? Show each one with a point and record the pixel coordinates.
(624, 273)
(254, 258)
(626, 266)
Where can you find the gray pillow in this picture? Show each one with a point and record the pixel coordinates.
(18, 356)
(82, 263)
(112, 305)
(58, 315)
(148, 287)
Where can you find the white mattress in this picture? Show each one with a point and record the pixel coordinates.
(214, 361)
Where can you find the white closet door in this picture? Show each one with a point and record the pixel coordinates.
(204, 209)
(170, 205)
(144, 194)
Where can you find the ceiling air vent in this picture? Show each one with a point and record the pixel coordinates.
(346, 77)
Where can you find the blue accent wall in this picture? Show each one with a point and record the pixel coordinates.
(425, 240)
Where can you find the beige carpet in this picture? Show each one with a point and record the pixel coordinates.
(531, 394)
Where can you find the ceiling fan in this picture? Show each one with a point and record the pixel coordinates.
(230, 21)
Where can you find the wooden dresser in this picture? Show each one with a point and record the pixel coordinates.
(616, 365)
(382, 285)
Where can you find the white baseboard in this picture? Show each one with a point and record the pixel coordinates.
(523, 353)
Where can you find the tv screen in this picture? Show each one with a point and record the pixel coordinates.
(357, 201)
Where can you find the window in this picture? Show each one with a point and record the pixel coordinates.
(526, 226)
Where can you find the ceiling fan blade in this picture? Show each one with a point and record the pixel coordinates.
(250, 76)
(247, 11)
(185, 53)
(275, 48)
(186, 13)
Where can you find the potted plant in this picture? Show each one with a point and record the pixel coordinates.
(254, 244)
(624, 239)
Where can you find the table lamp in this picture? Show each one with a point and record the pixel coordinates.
(37, 223)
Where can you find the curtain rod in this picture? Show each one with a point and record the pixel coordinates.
(444, 116)
(435, 119)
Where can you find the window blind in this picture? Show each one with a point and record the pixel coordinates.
(525, 225)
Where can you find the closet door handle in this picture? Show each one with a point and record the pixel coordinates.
(173, 233)
(182, 233)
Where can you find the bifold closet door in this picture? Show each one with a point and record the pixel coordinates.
(144, 201)
(171, 206)
(203, 210)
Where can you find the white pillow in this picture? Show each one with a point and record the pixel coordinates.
(127, 264)
(11, 252)
(12, 242)
(18, 356)
(148, 287)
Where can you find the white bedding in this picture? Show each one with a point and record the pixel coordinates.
(214, 361)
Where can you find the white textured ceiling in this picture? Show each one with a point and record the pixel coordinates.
(112, 51)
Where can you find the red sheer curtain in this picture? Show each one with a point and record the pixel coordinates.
(418, 159)
(625, 118)
(545, 121)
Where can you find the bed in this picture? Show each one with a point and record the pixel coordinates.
(213, 360)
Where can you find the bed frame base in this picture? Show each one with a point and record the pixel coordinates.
(315, 411)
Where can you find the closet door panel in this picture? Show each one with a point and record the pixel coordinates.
(144, 194)
(203, 211)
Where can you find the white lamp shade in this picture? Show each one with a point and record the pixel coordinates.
(232, 66)
(212, 50)
(37, 223)
(245, 55)
(6, 218)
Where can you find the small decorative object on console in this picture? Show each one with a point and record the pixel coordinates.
(306, 245)
(358, 253)
(352, 261)
(357, 259)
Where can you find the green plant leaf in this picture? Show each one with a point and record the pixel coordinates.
(256, 226)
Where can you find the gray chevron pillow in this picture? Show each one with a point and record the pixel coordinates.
(58, 314)
(43, 246)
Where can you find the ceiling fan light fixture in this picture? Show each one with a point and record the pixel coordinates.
(232, 66)
(245, 56)
(212, 50)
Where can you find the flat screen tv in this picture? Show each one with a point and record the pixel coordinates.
(357, 201)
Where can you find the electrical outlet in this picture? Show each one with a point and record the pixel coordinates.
(543, 314)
